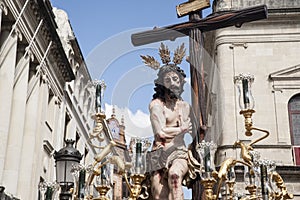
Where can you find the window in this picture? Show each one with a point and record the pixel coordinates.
(51, 110)
(297, 155)
(86, 152)
(67, 125)
(77, 140)
(294, 118)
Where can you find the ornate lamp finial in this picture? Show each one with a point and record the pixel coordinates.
(122, 120)
(113, 115)
(100, 87)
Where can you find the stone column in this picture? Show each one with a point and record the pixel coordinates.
(58, 121)
(7, 71)
(30, 170)
(60, 125)
(16, 127)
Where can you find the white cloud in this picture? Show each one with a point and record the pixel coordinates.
(136, 124)
(140, 119)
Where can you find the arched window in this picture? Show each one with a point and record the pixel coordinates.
(294, 117)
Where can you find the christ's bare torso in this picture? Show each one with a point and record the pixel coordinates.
(169, 121)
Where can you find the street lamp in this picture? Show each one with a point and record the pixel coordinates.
(65, 159)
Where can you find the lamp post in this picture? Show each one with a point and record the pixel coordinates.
(138, 170)
(243, 83)
(65, 158)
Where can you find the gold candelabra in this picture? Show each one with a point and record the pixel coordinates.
(263, 169)
(102, 190)
(211, 177)
(136, 187)
(98, 172)
(213, 181)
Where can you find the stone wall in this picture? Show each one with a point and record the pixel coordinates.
(223, 5)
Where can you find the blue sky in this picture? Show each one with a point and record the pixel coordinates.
(94, 21)
(103, 30)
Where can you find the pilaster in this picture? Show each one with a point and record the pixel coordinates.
(32, 147)
(15, 137)
(7, 70)
(31, 117)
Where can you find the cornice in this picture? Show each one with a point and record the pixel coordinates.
(264, 31)
(34, 12)
(260, 146)
(57, 68)
(3, 7)
(256, 38)
(291, 73)
(57, 50)
(286, 79)
(276, 5)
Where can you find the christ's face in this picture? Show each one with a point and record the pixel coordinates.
(172, 82)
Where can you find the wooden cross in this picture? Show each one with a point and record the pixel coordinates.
(194, 29)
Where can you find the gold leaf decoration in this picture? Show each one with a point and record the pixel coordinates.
(164, 53)
(179, 53)
(151, 62)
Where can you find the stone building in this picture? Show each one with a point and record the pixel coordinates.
(269, 50)
(47, 96)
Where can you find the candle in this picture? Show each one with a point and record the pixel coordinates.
(98, 98)
(264, 176)
(207, 161)
(103, 175)
(231, 174)
(250, 176)
(49, 192)
(81, 184)
(138, 159)
(245, 92)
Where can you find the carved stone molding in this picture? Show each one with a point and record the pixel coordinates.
(48, 147)
(3, 7)
(224, 5)
(286, 79)
(291, 73)
(35, 10)
(43, 10)
(17, 32)
(29, 53)
(42, 72)
(256, 38)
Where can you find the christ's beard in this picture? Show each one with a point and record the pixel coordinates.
(174, 92)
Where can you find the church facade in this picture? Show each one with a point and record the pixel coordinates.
(267, 49)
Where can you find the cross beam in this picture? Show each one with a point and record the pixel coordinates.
(191, 6)
(216, 21)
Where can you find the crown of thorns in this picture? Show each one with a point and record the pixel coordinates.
(164, 54)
